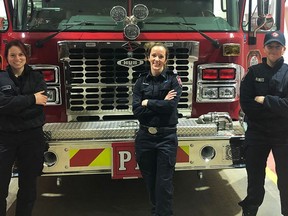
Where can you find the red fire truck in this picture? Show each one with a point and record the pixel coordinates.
(91, 52)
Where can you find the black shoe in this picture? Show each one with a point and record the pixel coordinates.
(249, 212)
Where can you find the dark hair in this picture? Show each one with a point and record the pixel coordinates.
(148, 47)
(19, 44)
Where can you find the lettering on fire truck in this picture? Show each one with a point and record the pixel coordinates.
(124, 161)
(125, 157)
(130, 62)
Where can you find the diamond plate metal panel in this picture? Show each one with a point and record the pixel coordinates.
(118, 130)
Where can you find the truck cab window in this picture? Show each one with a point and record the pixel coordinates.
(48, 15)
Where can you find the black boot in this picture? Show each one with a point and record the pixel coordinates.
(249, 212)
(247, 209)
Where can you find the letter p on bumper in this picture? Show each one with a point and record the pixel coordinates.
(124, 156)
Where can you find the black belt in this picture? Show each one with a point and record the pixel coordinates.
(158, 130)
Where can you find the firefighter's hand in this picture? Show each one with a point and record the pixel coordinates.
(40, 98)
(144, 102)
(259, 99)
(171, 94)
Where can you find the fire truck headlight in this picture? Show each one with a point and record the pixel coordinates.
(208, 153)
(50, 158)
(53, 95)
(131, 31)
(209, 93)
(118, 13)
(227, 92)
(140, 11)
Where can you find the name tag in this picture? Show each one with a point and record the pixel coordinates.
(259, 79)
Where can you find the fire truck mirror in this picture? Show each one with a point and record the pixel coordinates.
(265, 22)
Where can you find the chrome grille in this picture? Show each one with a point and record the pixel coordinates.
(98, 88)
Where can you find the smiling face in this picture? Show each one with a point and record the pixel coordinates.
(16, 59)
(157, 59)
(273, 51)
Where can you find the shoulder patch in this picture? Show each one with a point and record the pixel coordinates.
(179, 80)
(243, 78)
(5, 88)
(248, 71)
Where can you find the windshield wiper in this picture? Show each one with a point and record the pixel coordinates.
(40, 43)
(214, 42)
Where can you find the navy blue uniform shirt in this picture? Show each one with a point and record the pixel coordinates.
(18, 110)
(158, 112)
(271, 117)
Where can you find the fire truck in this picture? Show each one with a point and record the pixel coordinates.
(91, 52)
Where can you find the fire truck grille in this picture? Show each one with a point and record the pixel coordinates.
(100, 77)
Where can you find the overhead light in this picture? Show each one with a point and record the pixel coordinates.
(131, 31)
(118, 13)
(140, 11)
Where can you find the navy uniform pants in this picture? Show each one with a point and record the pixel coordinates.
(27, 147)
(256, 155)
(156, 157)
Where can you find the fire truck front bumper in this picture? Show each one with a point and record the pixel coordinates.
(108, 147)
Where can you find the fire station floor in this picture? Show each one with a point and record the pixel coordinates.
(216, 194)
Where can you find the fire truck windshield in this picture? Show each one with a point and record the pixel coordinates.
(51, 15)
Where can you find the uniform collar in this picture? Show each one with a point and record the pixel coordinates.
(278, 63)
(25, 72)
(163, 75)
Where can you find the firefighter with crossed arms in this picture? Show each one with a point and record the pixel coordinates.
(264, 100)
(22, 97)
(155, 99)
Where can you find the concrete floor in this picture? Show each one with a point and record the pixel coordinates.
(217, 194)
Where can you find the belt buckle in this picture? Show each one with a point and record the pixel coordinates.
(152, 130)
